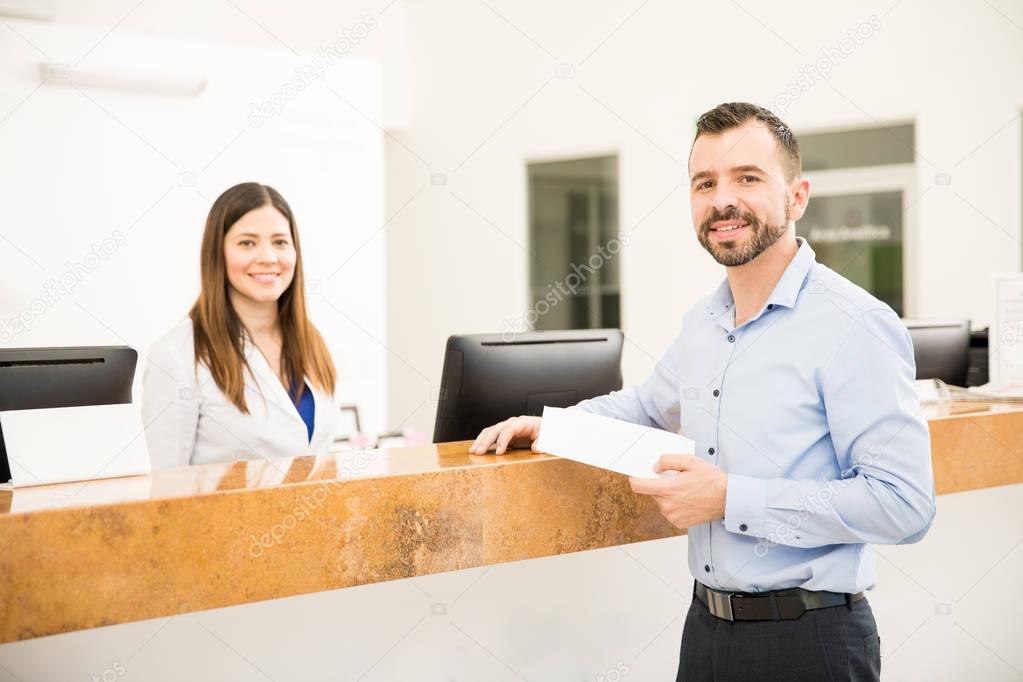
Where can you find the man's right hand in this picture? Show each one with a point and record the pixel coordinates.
(514, 432)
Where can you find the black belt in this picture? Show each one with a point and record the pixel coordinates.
(776, 605)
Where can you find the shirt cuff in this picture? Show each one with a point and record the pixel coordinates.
(746, 505)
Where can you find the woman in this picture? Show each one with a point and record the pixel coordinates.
(246, 375)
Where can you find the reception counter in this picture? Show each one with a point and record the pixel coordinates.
(84, 555)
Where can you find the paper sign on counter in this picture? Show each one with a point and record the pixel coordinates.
(607, 443)
(55, 445)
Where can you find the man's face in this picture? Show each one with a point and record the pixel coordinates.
(741, 200)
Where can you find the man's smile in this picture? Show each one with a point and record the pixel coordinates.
(729, 229)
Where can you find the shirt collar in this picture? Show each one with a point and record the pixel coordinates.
(786, 291)
(791, 282)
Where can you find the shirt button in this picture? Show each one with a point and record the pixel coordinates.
(706, 567)
(710, 451)
(731, 338)
(770, 306)
(716, 393)
(742, 527)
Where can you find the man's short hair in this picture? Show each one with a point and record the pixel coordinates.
(734, 114)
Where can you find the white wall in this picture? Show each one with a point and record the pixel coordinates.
(139, 170)
(300, 26)
(486, 98)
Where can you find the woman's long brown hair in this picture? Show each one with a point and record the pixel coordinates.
(218, 332)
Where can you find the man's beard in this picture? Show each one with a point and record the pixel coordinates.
(732, 253)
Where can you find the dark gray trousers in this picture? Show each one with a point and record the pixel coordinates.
(834, 644)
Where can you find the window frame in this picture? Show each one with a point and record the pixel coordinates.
(889, 178)
(592, 293)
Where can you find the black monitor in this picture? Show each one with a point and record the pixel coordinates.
(489, 377)
(941, 348)
(34, 378)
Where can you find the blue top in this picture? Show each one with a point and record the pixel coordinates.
(307, 409)
(810, 408)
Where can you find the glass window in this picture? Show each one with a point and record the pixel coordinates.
(860, 237)
(573, 224)
(856, 220)
(881, 146)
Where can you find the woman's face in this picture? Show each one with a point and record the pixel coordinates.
(259, 255)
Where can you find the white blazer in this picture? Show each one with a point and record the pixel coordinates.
(189, 420)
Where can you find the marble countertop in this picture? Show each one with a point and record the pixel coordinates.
(83, 555)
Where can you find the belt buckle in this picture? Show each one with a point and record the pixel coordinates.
(720, 604)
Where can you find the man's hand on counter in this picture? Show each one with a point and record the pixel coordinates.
(515, 432)
(696, 495)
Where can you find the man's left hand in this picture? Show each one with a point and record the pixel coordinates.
(694, 496)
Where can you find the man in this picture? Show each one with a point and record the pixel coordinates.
(797, 388)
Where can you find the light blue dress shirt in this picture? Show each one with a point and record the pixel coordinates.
(810, 408)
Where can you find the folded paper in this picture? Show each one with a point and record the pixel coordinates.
(607, 443)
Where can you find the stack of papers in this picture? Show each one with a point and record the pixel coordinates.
(990, 392)
(607, 443)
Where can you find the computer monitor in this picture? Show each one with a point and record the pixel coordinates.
(488, 377)
(33, 378)
(941, 348)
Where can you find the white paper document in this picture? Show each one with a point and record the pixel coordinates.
(607, 443)
(54, 445)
